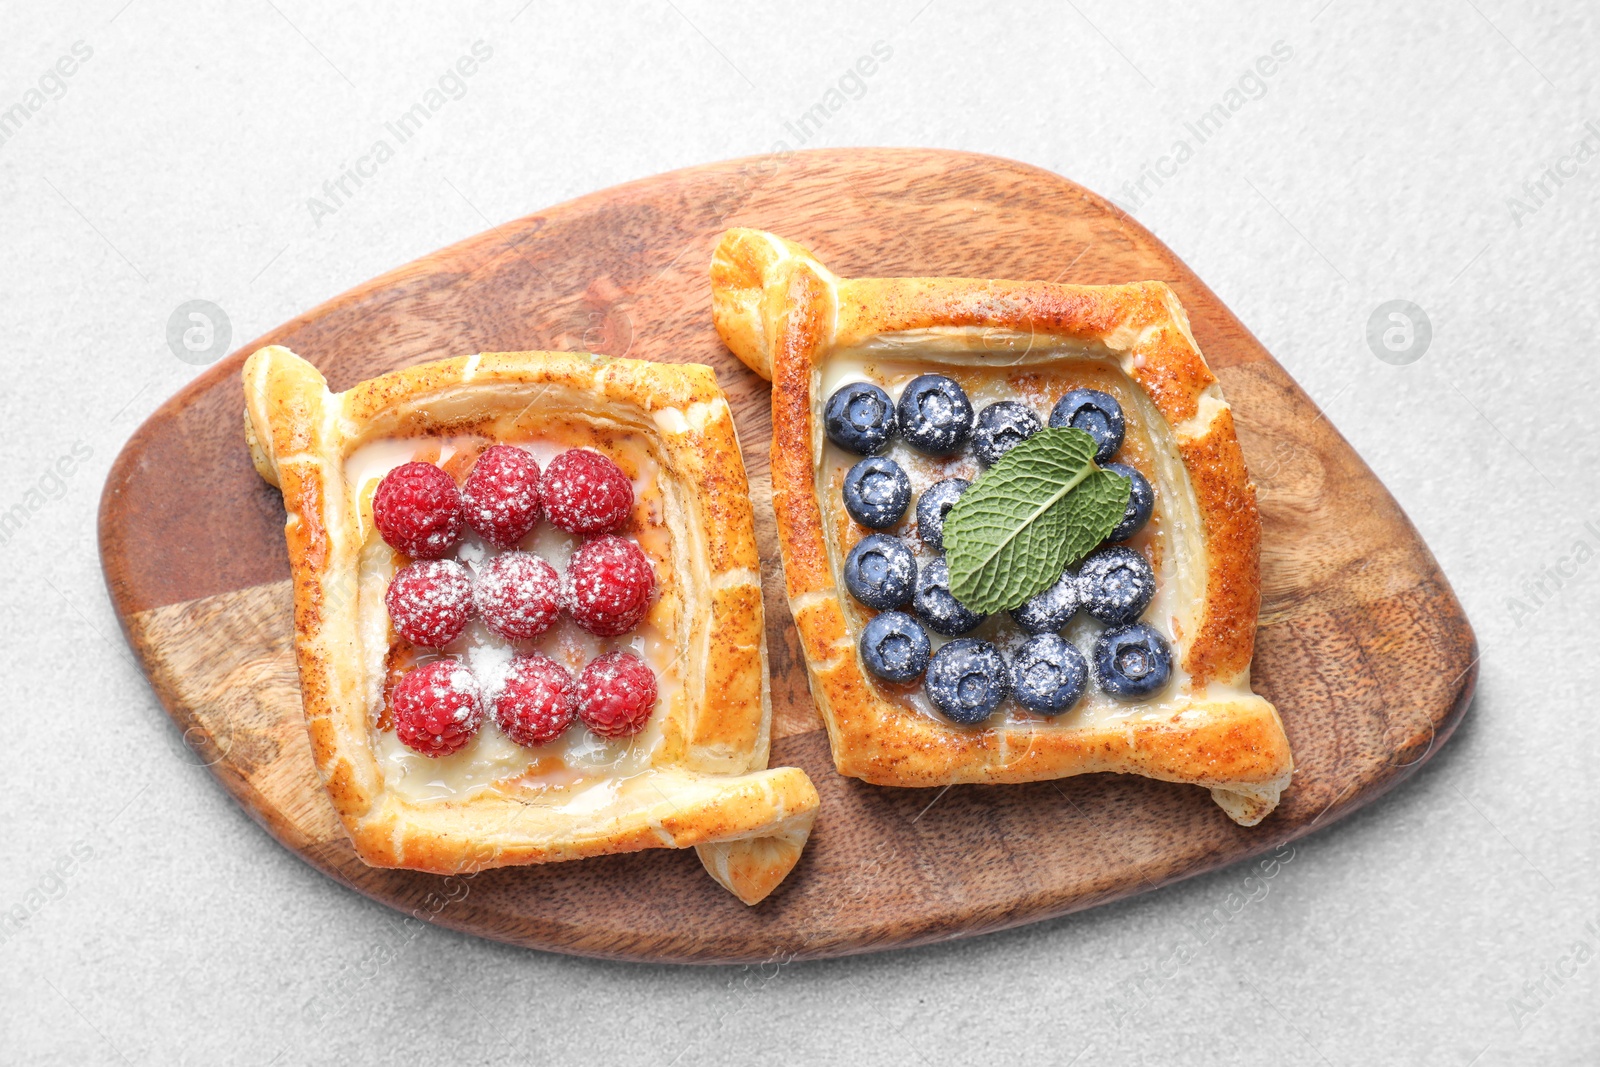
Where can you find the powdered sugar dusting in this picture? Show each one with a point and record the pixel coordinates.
(485, 662)
(501, 495)
(437, 708)
(490, 662)
(518, 594)
(1148, 448)
(430, 601)
(473, 552)
(585, 492)
(418, 509)
(608, 586)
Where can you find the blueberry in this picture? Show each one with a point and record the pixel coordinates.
(894, 646)
(967, 680)
(1048, 674)
(1115, 584)
(1132, 661)
(1140, 503)
(1095, 413)
(934, 415)
(859, 418)
(932, 507)
(876, 492)
(880, 572)
(1050, 610)
(1000, 428)
(938, 607)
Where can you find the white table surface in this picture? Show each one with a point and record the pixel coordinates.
(1441, 926)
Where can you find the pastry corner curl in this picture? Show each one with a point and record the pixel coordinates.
(751, 275)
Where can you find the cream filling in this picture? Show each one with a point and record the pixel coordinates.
(1021, 367)
(578, 771)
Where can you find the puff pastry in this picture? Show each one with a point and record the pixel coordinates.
(808, 331)
(697, 776)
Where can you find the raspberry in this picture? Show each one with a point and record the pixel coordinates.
(616, 693)
(583, 492)
(538, 702)
(608, 586)
(518, 594)
(430, 601)
(437, 708)
(418, 511)
(501, 495)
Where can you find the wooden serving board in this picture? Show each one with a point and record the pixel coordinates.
(1363, 646)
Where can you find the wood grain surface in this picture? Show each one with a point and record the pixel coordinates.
(1363, 646)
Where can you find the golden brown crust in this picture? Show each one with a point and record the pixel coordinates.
(1226, 641)
(709, 786)
(784, 314)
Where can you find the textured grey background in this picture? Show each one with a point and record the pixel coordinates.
(1456, 922)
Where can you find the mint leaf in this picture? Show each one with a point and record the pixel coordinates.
(1043, 506)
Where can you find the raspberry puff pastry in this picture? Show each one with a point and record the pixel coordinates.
(638, 717)
(890, 396)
